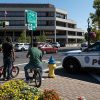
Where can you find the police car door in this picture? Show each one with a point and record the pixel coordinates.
(91, 57)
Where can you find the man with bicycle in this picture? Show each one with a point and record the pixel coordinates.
(35, 60)
(8, 57)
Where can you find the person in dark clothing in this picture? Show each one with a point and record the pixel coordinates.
(8, 57)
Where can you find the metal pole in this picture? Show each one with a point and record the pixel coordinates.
(89, 30)
(31, 38)
(5, 13)
(55, 28)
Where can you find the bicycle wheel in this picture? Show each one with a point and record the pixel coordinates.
(38, 78)
(14, 71)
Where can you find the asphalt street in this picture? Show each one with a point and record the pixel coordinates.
(21, 61)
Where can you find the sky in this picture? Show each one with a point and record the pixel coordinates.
(78, 10)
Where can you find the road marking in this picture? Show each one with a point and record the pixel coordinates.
(56, 68)
(96, 77)
(44, 70)
(44, 61)
(20, 64)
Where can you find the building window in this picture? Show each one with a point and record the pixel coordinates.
(71, 25)
(45, 23)
(50, 14)
(12, 14)
(41, 22)
(16, 23)
(50, 23)
(61, 16)
(45, 14)
(71, 33)
(62, 24)
(79, 33)
(41, 14)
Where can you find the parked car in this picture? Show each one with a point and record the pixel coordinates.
(55, 44)
(21, 46)
(47, 48)
(84, 45)
(62, 44)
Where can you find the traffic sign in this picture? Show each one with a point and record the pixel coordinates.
(29, 26)
(31, 19)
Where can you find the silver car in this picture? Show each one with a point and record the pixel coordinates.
(21, 46)
(55, 44)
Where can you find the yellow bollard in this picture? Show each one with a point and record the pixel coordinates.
(52, 66)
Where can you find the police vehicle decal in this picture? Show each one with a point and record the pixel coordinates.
(86, 59)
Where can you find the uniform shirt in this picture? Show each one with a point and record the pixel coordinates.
(35, 56)
(7, 49)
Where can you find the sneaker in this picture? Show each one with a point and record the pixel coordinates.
(8, 78)
(42, 79)
(4, 79)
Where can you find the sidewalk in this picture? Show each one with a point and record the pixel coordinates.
(68, 87)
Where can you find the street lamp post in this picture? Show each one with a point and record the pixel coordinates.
(88, 30)
(5, 14)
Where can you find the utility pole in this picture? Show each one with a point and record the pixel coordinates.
(88, 30)
(5, 14)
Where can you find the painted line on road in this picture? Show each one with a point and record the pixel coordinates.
(20, 64)
(47, 69)
(44, 61)
(96, 77)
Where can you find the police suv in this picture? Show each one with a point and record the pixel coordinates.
(88, 58)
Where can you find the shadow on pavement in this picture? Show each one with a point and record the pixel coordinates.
(84, 76)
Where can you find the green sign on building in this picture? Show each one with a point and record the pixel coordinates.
(31, 19)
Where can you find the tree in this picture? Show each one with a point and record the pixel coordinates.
(28, 39)
(41, 38)
(22, 37)
(96, 15)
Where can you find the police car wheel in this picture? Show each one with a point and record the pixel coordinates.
(71, 65)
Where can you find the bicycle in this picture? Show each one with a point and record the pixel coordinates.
(36, 75)
(14, 71)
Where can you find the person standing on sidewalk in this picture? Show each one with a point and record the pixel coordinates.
(35, 60)
(8, 57)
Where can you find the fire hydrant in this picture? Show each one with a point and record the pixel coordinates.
(52, 66)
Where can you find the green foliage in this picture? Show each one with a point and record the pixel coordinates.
(19, 90)
(41, 38)
(96, 15)
(97, 35)
(28, 39)
(22, 37)
(86, 36)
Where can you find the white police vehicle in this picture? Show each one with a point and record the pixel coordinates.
(88, 58)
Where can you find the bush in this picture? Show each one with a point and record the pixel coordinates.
(50, 95)
(19, 90)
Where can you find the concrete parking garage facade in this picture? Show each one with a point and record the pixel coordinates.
(51, 21)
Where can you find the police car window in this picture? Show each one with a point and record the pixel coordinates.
(95, 47)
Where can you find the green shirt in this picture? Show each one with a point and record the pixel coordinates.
(35, 56)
